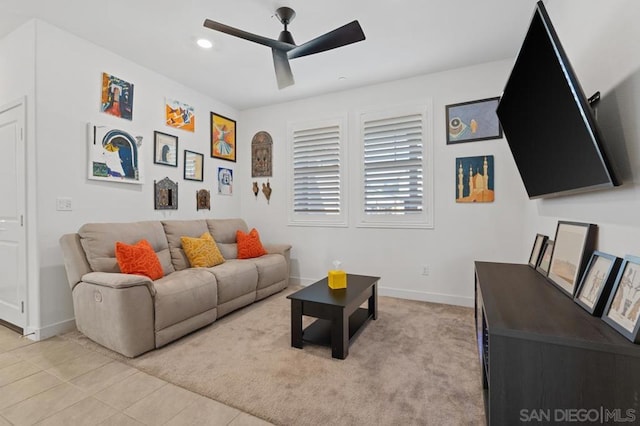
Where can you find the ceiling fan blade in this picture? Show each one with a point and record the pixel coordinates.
(347, 34)
(274, 44)
(283, 69)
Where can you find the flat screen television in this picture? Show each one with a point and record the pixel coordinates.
(547, 120)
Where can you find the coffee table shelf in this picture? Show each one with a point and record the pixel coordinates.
(339, 315)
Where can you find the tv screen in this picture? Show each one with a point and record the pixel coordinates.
(547, 120)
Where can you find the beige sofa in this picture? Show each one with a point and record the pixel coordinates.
(131, 314)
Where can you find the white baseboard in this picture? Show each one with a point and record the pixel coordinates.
(50, 330)
(423, 296)
(448, 299)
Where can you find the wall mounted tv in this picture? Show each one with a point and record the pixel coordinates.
(548, 121)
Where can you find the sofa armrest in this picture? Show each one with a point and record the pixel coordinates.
(75, 261)
(117, 280)
(282, 249)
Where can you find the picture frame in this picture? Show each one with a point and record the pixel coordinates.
(223, 137)
(165, 149)
(622, 311)
(593, 292)
(475, 179)
(473, 121)
(179, 115)
(225, 181)
(574, 243)
(545, 258)
(193, 166)
(116, 97)
(536, 250)
(114, 155)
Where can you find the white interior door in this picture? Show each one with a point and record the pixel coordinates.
(13, 265)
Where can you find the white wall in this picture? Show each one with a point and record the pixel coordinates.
(601, 41)
(67, 80)
(462, 233)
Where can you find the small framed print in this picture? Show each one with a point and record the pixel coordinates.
(473, 121)
(545, 258)
(165, 149)
(574, 243)
(536, 251)
(596, 283)
(623, 307)
(193, 166)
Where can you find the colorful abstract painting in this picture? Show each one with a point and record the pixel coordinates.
(225, 181)
(475, 179)
(223, 137)
(114, 155)
(180, 115)
(117, 97)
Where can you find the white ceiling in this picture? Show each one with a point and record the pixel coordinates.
(404, 38)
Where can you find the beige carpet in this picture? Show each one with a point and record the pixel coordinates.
(416, 365)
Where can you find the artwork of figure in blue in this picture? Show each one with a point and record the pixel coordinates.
(120, 153)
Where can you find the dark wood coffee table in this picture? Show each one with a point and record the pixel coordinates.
(340, 317)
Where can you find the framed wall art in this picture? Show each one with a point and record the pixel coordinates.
(261, 155)
(193, 166)
(223, 137)
(574, 243)
(117, 97)
(623, 307)
(179, 115)
(536, 250)
(165, 149)
(203, 199)
(475, 179)
(596, 283)
(473, 121)
(545, 258)
(225, 181)
(114, 155)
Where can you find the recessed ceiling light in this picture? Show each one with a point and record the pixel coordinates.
(343, 78)
(204, 43)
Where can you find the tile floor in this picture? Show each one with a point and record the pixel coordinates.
(57, 382)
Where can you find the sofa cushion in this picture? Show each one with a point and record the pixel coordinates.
(235, 278)
(224, 232)
(175, 229)
(272, 268)
(138, 259)
(182, 295)
(249, 245)
(202, 252)
(99, 243)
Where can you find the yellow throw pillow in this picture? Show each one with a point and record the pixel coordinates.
(202, 252)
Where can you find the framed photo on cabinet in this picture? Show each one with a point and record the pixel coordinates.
(596, 283)
(623, 307)
(536, 251)
(574, 243)
(545, 258)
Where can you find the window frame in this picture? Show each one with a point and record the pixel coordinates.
(319, 219)
(425, 219)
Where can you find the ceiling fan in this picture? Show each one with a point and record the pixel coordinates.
(284, 48)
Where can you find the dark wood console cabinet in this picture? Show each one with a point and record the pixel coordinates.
(546, 360)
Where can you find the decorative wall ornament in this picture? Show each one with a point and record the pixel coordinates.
(225, 181)
(261, 155)
(256, 189)
(203, 199)
(474, 179)
(180, 115)
(266, 190)
(114, 155)
(166, 194)
(117, 97)
(223, 137)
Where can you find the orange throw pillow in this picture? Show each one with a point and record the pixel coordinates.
(249, 245)
(139, 259)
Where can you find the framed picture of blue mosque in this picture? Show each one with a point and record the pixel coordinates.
(475, 179)
(473, 121)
